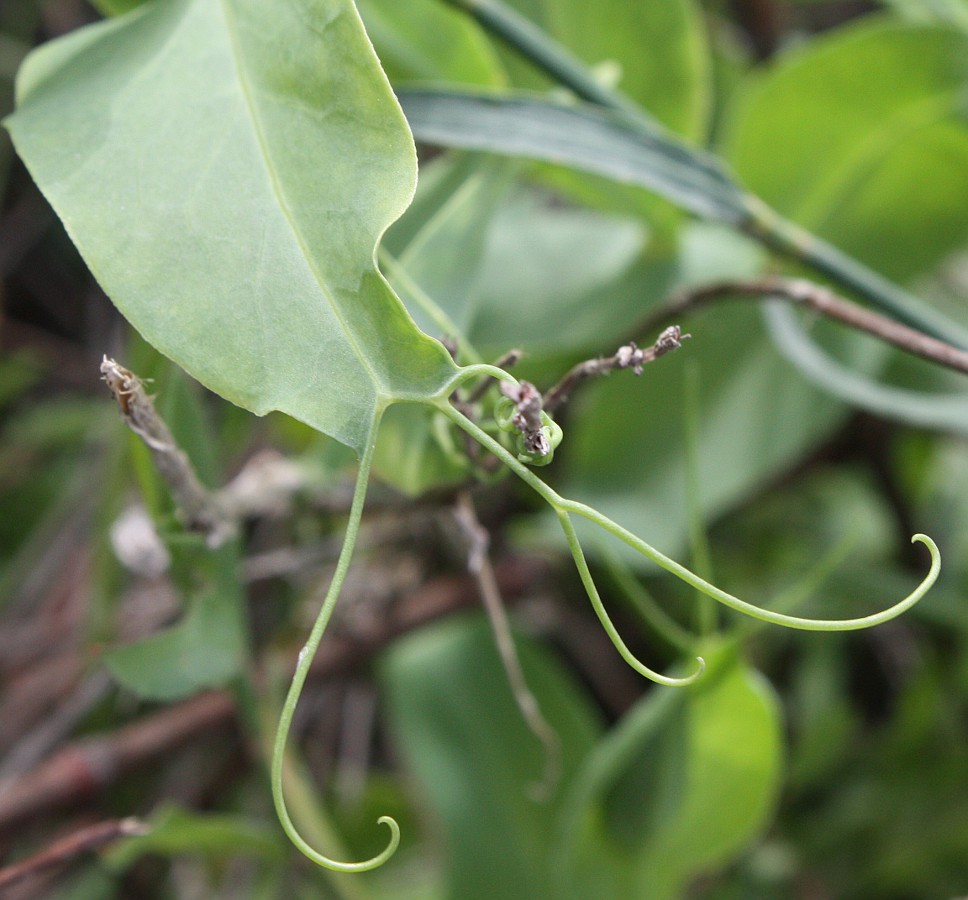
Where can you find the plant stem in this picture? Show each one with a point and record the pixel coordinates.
(571, 536)
(627, 357)
(199, 508)
(645, 605)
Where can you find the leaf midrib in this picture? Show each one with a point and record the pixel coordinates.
(380, 388)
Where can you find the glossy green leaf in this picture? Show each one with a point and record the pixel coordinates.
(862, 137)
(463, 738)
(226, 170)
(687, 779)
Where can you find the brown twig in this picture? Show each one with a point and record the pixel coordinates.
(479, 565)
(823, 301)
(61, 852)
(627, 357)
(86, 767)
(198, 507)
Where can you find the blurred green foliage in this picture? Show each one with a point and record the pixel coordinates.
(846, 777)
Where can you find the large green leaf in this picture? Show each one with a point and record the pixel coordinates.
(226, 170)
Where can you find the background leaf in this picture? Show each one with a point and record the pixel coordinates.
(671, 80)
(425, 40)
(466, 743)
(583, 136)
(862, 138)
(685, 780)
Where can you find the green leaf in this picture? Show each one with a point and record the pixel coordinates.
(687, 779)
(635, 151)
(226, 170)
(177, 832)
(498, 259)
(205, 649)
(861, 137)
(671, 79)
(465, 741)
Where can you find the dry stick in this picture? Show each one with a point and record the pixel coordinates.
(85, 767)
(479, 565)
(628, 357)
(67, 849)
(824, 301)
(198, 507)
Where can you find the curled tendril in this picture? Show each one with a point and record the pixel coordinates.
(299, 679)
(757, 612)
(564, 508)
(592, 590)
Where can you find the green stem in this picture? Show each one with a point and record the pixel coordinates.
(765, 615)
(306, 656)
(558, 504)
(698, 540)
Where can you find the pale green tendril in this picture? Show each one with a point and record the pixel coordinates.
(564, 507)
(299, 678)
